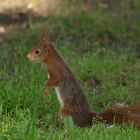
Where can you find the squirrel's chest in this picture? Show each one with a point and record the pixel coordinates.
(57, 90)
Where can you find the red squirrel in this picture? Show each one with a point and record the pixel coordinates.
(70, 95)
(60, 77)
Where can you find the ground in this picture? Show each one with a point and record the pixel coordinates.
(102, 47)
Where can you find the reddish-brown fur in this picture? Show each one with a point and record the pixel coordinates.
(122, 115)
(72, 99)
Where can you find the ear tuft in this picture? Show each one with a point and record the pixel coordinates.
(44, 37)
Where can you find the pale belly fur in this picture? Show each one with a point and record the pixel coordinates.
(59, 96)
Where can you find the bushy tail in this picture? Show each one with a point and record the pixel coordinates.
(119, 115)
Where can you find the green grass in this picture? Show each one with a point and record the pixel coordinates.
(95, 45)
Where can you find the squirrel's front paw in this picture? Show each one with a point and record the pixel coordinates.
(46, 92)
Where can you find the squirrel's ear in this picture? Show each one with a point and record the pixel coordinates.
(44, 37)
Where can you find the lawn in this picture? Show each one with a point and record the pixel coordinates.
(103, 51)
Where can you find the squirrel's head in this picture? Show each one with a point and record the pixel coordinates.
(41, 52)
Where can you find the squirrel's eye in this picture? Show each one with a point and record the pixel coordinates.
(37, 52)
